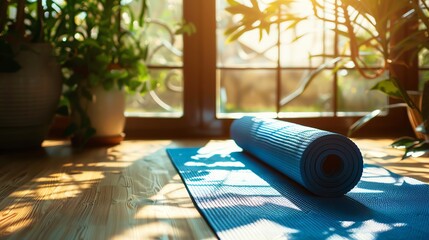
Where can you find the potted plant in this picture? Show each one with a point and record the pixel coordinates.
(102, 56)
(30, 80)
(102, 52)
(381, 23)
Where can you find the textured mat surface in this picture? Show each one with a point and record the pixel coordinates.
(242, 198)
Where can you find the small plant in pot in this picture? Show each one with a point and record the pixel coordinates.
(30, 79)
(102, 57)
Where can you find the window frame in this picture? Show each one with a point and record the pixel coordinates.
(199, 117)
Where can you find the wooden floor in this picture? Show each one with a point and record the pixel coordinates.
(130, 191)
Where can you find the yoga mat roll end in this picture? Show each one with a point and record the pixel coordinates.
(332, 165)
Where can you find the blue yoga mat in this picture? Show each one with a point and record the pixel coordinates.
(243, 197)
(326, 163)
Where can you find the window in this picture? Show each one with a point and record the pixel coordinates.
(165, 63)
(213, 82)
(264, 76)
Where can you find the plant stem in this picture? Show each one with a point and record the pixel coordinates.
(40, 20)
(354, 47)
(20, 17)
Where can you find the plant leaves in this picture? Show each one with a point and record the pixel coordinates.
(417, 150)
(117, 74)
(388, 87)
(392, 88)
(405, 142)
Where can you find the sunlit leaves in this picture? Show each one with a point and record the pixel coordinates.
(372, 25)
(254, 16)
(404, 142)
(413, 147)
(388, 87)
(417, 150)
(185, 27)
(392, 88)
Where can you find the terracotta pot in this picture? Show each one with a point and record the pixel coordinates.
(29, 98)
(414, 116)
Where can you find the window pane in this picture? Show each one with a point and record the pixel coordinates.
(354, 94)
(165, 101)
(246, 91)
(165, 62)
(247, 51)
(315, 101)
(313, 40)
(165, 48)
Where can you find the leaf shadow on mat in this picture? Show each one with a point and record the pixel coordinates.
(243, 198)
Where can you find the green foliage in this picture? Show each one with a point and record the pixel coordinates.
(23, 21)
(369, 26)
(253, 17)
(97, 48)
(393, 89)
(413, 147)
(379, 24)
(388, 87)
(185, 27)
(101, 43)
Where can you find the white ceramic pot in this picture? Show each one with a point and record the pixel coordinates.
(106, 112)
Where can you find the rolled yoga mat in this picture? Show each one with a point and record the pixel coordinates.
(242, 197)
(325, 163)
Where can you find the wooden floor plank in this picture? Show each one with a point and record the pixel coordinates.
(129, 191)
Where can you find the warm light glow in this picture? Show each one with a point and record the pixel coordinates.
(303, 7)
(154, 230)
(167, 212)
(20, 213)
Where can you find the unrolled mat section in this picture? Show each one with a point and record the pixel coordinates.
(276, 187)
